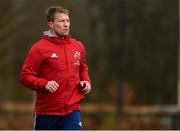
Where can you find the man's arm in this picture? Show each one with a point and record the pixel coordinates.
(84, 75)
(28, 74)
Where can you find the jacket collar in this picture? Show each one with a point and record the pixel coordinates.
(54, 38)
(49, 33)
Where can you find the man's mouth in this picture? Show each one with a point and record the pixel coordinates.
(66, 29)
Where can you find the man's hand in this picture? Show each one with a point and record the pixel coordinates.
(52, 86)
(86, 87)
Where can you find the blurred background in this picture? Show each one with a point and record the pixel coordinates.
(132, 53)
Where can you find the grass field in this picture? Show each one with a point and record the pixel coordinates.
(95, 116)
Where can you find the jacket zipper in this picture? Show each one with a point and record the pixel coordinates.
(66, 62)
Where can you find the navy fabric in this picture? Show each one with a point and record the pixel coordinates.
(71, 121)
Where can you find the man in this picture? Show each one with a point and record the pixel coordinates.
(56, 69)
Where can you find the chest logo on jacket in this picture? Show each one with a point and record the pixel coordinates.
(54, 55)
(77, 57)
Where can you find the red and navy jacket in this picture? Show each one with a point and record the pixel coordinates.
(61, 59)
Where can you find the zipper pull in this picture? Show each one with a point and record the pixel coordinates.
(62, 39)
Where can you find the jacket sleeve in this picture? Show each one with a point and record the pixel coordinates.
(29, 71)
(84, 76)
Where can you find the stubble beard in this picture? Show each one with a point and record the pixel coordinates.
(62, 34)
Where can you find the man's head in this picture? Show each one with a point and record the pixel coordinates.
(58, 20)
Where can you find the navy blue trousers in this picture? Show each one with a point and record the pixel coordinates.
(71, 121)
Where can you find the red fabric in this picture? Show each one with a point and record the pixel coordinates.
(61, 60)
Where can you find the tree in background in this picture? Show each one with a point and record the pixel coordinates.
(150, 43)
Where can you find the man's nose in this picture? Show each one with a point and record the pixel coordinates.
(66, 23)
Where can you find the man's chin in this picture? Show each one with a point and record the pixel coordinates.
(63, 35)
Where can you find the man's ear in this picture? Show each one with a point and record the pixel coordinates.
(50, 24)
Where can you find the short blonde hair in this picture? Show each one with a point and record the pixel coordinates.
(51, 11)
